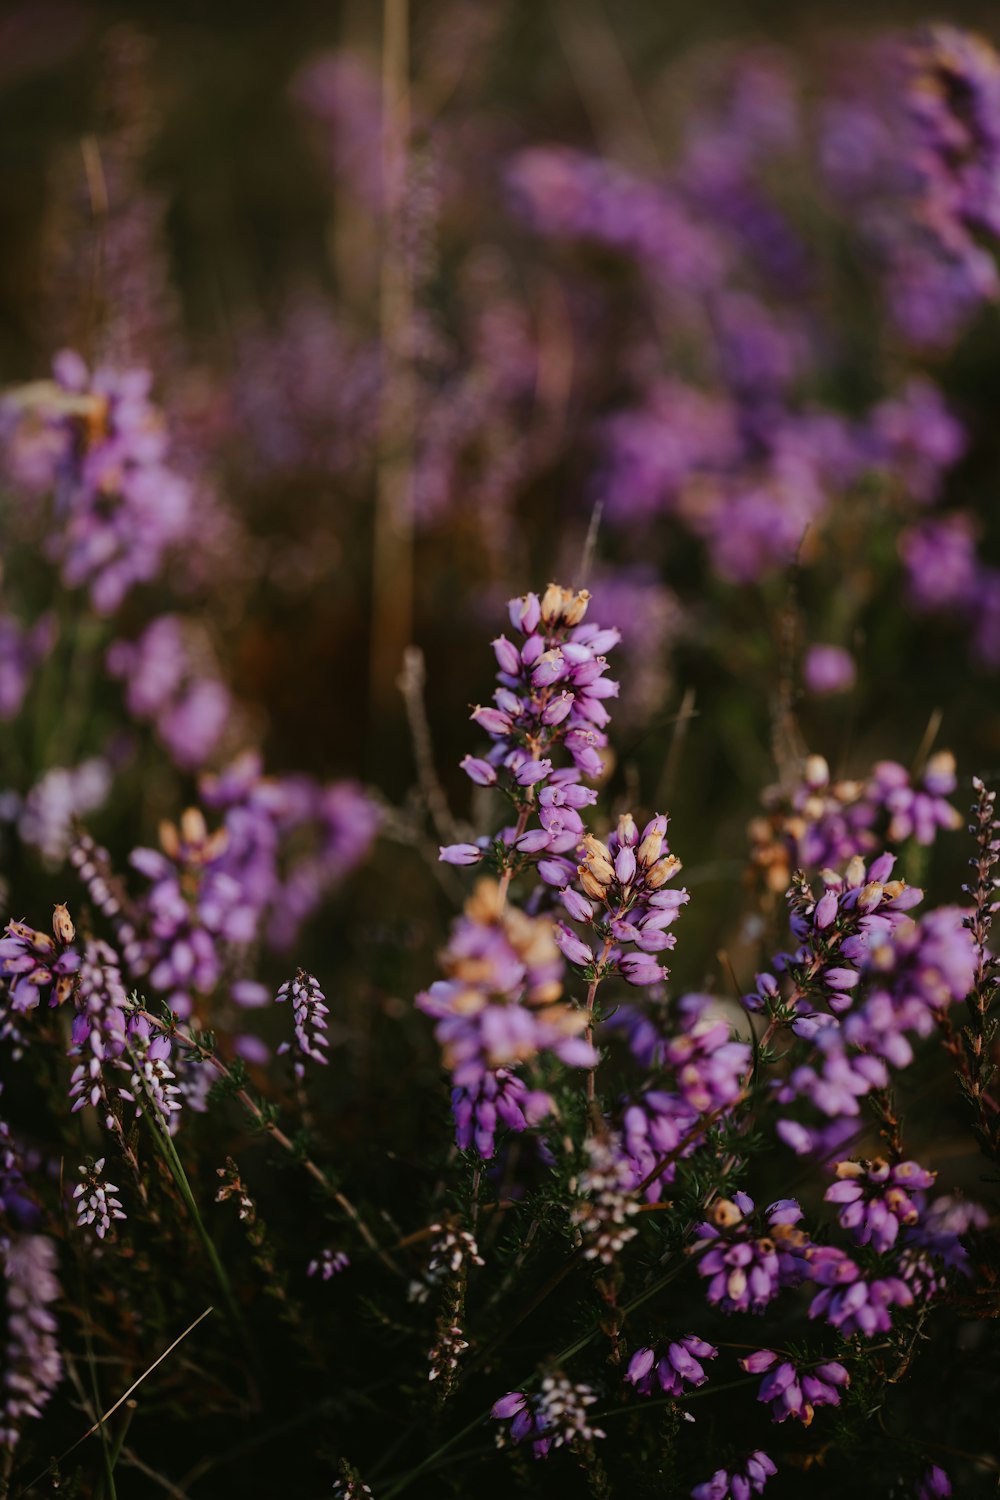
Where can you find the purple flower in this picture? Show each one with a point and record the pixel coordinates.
(556, 1415)
(670, 1370)
(328, 1263)
(848, 1301)
(309, 1010)
(32, 1364)
(498, 1098)
(829, 669)
(934, 1484)
(746, 1270)
(737, 1484)
(876, 1199)
(95, 1199)
(794, 1390)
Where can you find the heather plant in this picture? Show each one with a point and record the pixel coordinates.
(599, 1098)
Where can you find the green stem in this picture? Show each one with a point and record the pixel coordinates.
(164, 1144)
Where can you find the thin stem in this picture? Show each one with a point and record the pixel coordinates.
(278, 1135)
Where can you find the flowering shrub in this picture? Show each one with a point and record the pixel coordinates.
(632, 1130)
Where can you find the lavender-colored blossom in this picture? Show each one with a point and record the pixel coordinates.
(934, 1485)
(32, 1363)
(551, 697)
(21, 650)
(670, 1367)
(795, 1390)
(556, 1415)
(152, 1086)
(828, 670)
(847, 1300)
(95, 1199)
(309, 1013)
(737, 1484)
(499, 1098)
(877, 1199)
(746, 1269)
(605, 1201)
(119, 506)
(60, 796)
(33, 965)
(328, 1263)
(500, 1003)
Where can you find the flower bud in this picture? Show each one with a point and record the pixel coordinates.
(62, 924)
(725, 1213)
(575, 609)
(553, 601)
(664, 870)
(628, 833)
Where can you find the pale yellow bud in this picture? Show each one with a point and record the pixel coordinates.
(62, 924)
(574, 611)
(552, 604)
(855, 872)
(817, 772)
(725, 1213)
(626, 828)
(593, 887)
(170, 841)
(849, 1169)
(193, 829)
(662, 871)
(648, 851)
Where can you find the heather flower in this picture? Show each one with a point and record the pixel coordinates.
(58, 798)
(934, 1484)
(605, 1202)
(737, 1484)
(555, 1416)
(916, 812)
(32, 964)
(95, 1199)
(328, 1263)
(794, 1390)
(877, 1199)
(166, 682)
(670, 1368)
(828, 670)
(847, 1300)
(498, 1098)
(500, 1003)
(452, 1252)
(745, 1270)
(98, 1026)
(310, 1011)
(32, 1364)
(151, 1081)
(552, 694)
(119, 506)
(21, 650)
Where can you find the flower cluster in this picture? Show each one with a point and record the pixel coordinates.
(794, 1390)
(745, 1269)
(309, 1011)
(500, 1004)
(621, 898)
(737, 1484)
(555, 1416)
(551, 696)
(32, 1362)
(876, 1200)
(606, 1202)
(820, 823)
(100, 444)
(670, 1369)
(95, 1199)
